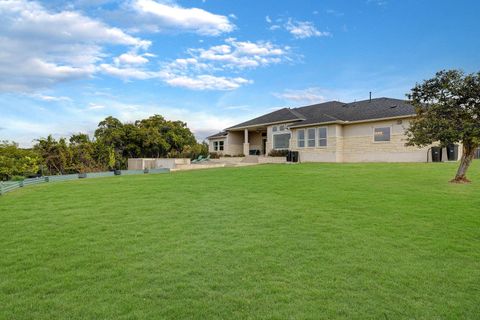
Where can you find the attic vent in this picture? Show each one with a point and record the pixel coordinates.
(393, 107)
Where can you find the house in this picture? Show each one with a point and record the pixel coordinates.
(372, 130)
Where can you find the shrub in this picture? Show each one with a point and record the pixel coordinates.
(278, 153)
(214, 155)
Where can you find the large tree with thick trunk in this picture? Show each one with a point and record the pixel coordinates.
(448, 111)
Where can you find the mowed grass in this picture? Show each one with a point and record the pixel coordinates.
(310, 241)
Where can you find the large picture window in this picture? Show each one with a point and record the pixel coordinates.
(301, 138)
(322, 137)
(381, 134)
(281, 141)
(311, 137)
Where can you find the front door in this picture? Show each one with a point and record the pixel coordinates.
(264, 145)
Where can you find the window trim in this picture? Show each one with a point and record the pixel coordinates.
(308, 140)
(390, 127)
(298, 138)
(318, 138)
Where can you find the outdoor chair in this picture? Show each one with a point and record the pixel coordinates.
(199, 159)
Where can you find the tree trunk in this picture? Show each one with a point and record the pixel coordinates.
(467, 157)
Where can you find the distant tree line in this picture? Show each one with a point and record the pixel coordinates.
(113, 143)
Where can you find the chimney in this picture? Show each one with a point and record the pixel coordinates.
(370, 100)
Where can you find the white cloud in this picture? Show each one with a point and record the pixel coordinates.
(207, 82)
(178, 74)
(127, 73)
(169, 16)
(94, 106)
(335, 13)
(131, 58)
(41, 48)
(304, 29)
(242, 54)
(49, 98)
(309, 95)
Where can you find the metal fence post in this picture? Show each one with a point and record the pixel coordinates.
(1, 188)
(20, 184)
(46, 179)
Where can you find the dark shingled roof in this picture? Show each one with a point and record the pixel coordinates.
(335, 111)
(282, 115)
(355, 111)
(218, 135)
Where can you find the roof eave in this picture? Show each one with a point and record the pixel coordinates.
(350, 122)
(262, 124)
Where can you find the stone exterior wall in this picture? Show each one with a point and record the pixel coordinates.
(345, 143)
(317, 154)
(234, 143)
(359, 144)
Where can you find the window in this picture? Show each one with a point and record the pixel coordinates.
(215, 145)
(220, 145)
(322, 137)
(381, 134)
(301, 138)
(274, 128)
(311, 137)
(281, 128)
(281, 141)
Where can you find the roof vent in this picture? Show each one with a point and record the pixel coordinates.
(393, 107)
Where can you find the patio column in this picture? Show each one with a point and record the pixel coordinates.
(246, 145)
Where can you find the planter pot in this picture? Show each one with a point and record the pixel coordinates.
(117, 172)
(82, 175)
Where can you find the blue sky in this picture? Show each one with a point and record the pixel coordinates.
(66, 65)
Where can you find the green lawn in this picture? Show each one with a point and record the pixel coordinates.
(352, 241)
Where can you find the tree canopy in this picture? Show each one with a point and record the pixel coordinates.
(112, 144)
(448, 111)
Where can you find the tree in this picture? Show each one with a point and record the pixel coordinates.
(448, 111)
(82, 150)
(55, 154)
(16, 162)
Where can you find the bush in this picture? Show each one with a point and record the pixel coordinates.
(214, 155)
(278, 153)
